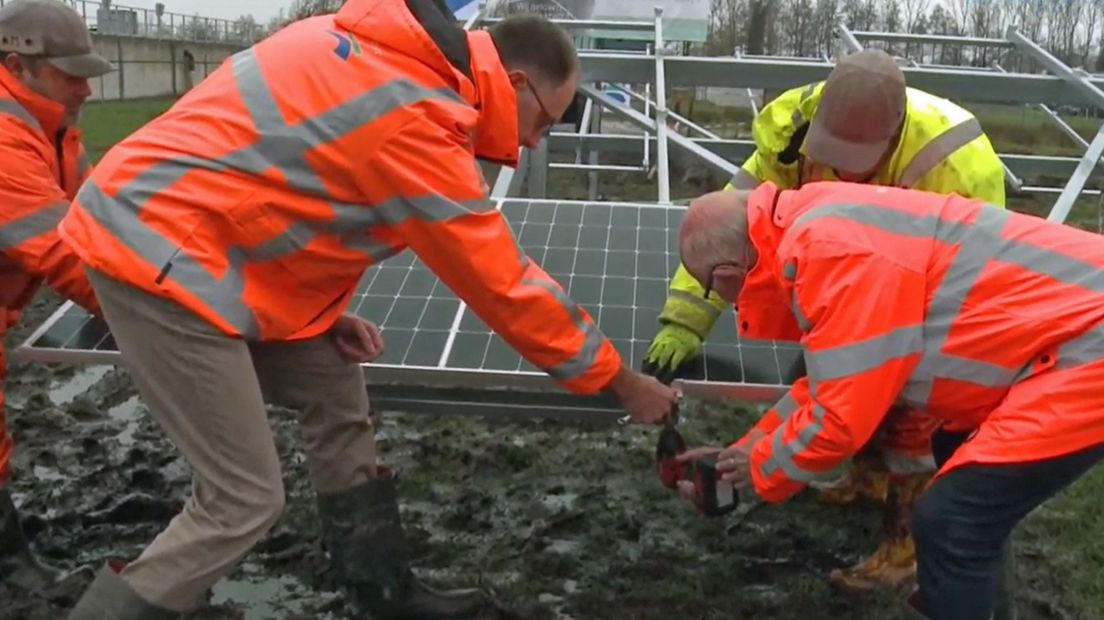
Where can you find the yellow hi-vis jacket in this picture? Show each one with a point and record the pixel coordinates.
(942, 149)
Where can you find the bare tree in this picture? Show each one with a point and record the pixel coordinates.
(799, 28)
(727, 26)
(912, 11)
(827, 17)
(758, 11)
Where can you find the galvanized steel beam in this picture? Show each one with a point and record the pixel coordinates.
(739, 150)
(662, 162)
(726, 72)
(647, 124)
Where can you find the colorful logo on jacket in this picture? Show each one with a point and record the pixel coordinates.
(345, 43)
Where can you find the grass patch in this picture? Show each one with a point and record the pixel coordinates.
(106, 123)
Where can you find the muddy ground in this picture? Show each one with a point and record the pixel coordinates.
(564, 522)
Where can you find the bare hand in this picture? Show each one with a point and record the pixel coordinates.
(645, 399)
(357, 340)
(686, 487)
(734, 463)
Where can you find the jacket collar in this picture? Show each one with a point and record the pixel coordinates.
(763, 306)
(496, 132)
(47, 113)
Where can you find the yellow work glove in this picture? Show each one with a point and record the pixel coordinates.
(671, 348)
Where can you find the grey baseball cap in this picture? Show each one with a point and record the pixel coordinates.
(53, 31)
(861, 108)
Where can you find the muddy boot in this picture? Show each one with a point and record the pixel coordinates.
(894, 562)
(363, 533)
(20, 568)
(111, 598)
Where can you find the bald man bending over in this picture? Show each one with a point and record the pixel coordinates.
(991, 320)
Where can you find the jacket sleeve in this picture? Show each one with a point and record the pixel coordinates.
(861, 316)
(440, 209)
(33, 206)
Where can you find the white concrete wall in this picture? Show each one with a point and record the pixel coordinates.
(152, 67)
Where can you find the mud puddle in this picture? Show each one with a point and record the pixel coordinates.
(561, 523)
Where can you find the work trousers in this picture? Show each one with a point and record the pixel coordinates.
(962, 524)
(207, 391)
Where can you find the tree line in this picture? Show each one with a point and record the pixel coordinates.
(1071, 30)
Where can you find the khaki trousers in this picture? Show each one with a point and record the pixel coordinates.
(208, 391)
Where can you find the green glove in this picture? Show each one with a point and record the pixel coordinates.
(670, 349)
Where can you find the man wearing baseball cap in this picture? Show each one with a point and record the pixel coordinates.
(47, 57)
(862, 125)
(859, 120)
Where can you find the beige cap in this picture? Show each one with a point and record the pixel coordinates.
(860, 111)
(54, 32)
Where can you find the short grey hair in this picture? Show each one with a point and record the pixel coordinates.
(710, 236)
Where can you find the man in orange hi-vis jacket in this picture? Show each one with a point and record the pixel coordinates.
(46, 56)
(991, 320)
(225, 239)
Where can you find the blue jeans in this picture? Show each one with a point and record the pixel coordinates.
(962, 524)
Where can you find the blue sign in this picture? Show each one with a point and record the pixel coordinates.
(462, 9)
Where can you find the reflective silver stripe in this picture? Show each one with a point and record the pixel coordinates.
(429, 208)
(1060, 267)
(883, 218)
(980, 244)
(832, 364)
(376, 250)
(785, 407)
(280, 146)
(744, 180)
(797, 119)
(40, 221)
(866, 355)
(696, 300)
(224, 295)
(939, 149)
(782, 453)
(583, 361)
(1084, 349)
(10, 106)
(284, 146)
(802, 322)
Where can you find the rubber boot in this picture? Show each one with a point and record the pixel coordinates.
(893, 563)
(362, 530)
(110, 597)
(19, 567)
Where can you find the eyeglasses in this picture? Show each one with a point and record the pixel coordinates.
(544, 109)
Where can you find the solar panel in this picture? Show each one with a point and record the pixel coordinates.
(614, 259)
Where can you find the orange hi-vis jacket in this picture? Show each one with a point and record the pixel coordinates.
(259, 199)
(989, 319)
(43, 165)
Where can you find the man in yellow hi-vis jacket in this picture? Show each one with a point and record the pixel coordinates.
(863, 124)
